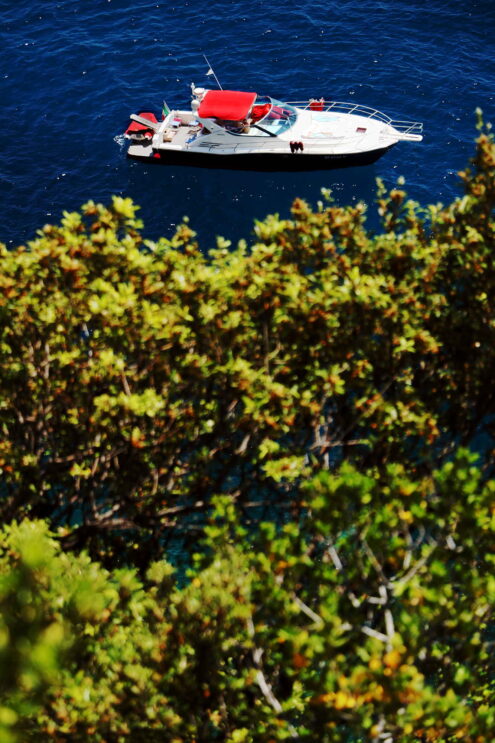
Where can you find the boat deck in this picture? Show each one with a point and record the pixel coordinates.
(177, 137)
(141, 151)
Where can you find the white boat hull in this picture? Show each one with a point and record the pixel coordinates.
(289, 137)
(261, 161)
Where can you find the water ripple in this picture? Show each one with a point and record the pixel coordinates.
(71, 72)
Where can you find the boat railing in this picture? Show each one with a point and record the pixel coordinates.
(404, 127)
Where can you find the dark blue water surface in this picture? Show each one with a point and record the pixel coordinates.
(71, 72)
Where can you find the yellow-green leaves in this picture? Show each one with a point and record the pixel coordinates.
(178, 366)
(320, 373)
(371, 613)
(124, 207)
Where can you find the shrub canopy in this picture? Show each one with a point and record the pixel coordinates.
(369, 621)
(138, 379)
(296, 416)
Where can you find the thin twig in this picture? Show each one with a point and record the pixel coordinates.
(412, 572)
(374, 633)
(265, 687)
(306, 610)
(390, 627)
(375, 562)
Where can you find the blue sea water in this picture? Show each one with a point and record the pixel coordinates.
(72, 71)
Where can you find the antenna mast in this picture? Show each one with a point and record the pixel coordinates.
(211, 71)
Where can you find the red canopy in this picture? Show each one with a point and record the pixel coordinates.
(135, 126)
(226, 104)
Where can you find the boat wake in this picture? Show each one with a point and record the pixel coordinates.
(120, 140)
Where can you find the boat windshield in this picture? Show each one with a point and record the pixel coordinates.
(273, 115)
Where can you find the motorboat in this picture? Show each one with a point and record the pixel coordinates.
(238, 129)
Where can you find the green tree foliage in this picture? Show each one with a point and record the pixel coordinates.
(320, 389)
(369, 621)
(138, 379)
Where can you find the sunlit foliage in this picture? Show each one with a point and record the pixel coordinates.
(298, 417)
(369, 621)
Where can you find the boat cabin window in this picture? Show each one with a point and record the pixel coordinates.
(267, 114)
(276, 116)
